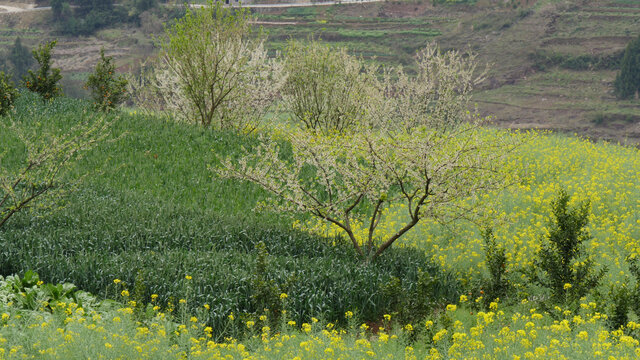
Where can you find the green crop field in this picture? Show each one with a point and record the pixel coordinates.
(152, 255)
(150, 214)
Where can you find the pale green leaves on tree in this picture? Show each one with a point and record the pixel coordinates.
(45, 174)
(355, 176)
(327, 89)
(433, 156)
(213, 70)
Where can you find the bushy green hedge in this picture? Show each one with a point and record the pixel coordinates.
(546, 59)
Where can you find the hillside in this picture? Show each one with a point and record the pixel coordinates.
(552, 63)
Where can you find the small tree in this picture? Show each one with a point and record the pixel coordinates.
(328, 89)
(216, 69)
(108, 90)
(436, 167)
(565, 270)
(43, 178)
(627, 82)
(45, 80)
(438, 96)
(8, 94)
(497, 285)
(56, 8)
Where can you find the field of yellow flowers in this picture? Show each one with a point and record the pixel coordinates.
(607, 175)
(65, 330)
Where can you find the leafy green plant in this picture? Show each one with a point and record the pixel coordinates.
(620, 299)
(39, 170)
(497, 285)
(30, 293)
(562, 263)
(45, 80)
(8, 94)
(108, 90)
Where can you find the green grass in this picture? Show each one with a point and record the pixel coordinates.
(151, 206)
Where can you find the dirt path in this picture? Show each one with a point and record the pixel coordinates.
(4, 9)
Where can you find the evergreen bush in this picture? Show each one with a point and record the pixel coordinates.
(45, 80)
(565, 269)
(627, 83)
(107, 89)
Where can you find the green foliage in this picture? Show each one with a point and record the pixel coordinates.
(144, 5)
(627, 83)
(108, 90)
(266, 292)
(619, 299)
(29, 293)
(327, 89)
(154, 208)
(543, 60)
(634, 269)
(8, 93)
(80, 17)
(497, 285)
(566, 270)
(57, 7)
(416, 299)
(45, 80)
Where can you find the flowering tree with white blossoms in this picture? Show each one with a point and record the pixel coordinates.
(438, 167)
(213, 69)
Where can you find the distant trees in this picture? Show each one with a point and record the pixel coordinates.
(21, 58)
(83, 17)
(627, 83)
(327, 89)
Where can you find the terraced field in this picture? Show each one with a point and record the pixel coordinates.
(552, 63)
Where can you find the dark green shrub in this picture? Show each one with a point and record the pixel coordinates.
(634, 269)
(496, 260)
(562, 265)
(45, 80)
(266, 291)
(108, 90)
(8, 94)
(545, 59)
(627, 82)
(620, 299)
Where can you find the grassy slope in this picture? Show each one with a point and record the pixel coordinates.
(150, 205)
